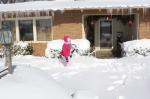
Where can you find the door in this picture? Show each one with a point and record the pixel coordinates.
(105, 34)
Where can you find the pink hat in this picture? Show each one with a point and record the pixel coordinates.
(67, 39)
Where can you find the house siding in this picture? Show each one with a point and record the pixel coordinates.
(67, 23)
(144, 25)
(39, 49)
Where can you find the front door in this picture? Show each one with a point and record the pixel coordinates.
(105, 34)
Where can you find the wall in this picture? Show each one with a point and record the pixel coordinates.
(144, 25)
(67, 23)
(39, 49)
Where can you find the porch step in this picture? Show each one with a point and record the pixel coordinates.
(104, 54)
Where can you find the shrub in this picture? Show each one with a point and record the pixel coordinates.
(137, 47)
(54, 47)
(22, 48)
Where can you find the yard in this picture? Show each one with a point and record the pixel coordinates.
(84, 77)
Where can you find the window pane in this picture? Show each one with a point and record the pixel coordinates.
(43, 27)
(26, 30)
(11, 27)
(106, 34)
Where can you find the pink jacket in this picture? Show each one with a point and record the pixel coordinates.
(66, 47)
(65, 50)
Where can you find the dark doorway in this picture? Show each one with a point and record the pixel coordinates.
(105, 33)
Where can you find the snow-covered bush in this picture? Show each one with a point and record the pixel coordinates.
(54, 47)
(83, 46)
(22, 48)
(137, 47)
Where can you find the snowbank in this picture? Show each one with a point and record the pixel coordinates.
(124, 78)
(55, 46)
(22, 48)
(137, 47)
(30, 83)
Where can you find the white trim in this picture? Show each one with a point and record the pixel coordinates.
(27, 18)
(138, 24)
(33, 19)
(34, 30)
(17, 30)
(0, 23)
(83, 30)
(52, 32)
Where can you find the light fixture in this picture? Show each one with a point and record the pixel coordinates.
(6, 40)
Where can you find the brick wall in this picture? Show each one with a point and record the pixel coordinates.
(144, 25)
(67, 23)
(39, 49)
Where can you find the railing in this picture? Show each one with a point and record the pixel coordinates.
(1, 52)
(3, 71)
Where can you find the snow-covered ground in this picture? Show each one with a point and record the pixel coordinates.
(83, 77)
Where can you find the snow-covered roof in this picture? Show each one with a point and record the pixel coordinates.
(70, 4)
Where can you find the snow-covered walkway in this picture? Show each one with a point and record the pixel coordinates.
(125, 78)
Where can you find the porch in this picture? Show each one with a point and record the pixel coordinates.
(105, 32)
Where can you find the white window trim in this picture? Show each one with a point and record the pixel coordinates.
(34, 30)
(34, 27)
(17, 31)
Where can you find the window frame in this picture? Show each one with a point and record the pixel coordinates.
(34, 26)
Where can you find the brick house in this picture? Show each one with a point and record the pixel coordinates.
(98, 21)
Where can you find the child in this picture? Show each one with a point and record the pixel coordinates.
(66, 48)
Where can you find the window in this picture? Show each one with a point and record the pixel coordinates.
(11, 26)
(43, 27)
(26, 30)
(30, 29)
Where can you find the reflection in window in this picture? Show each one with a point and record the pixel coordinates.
(26, 30)
(106, 34)
(43, 27)
(11, 26)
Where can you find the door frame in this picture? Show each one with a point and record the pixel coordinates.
(99, 31)
(96, 34)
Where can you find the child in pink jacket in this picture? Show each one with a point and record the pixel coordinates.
(66, 48)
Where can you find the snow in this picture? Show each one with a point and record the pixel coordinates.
(30, 83)
(84, 77)
(55, 46)
(70, 4)
(137, 47)
(22, 44)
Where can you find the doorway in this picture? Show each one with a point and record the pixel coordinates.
(105, 33)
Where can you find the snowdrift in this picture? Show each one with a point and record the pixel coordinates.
(54, 47)
(30, 83)
(137, 47)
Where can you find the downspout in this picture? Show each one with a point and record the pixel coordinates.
(52, 24)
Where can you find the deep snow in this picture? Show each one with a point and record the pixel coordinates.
(85, 77)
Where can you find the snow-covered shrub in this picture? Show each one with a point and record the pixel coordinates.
(22, 48)
(137, 47)
(54, 47)
(83, 46)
